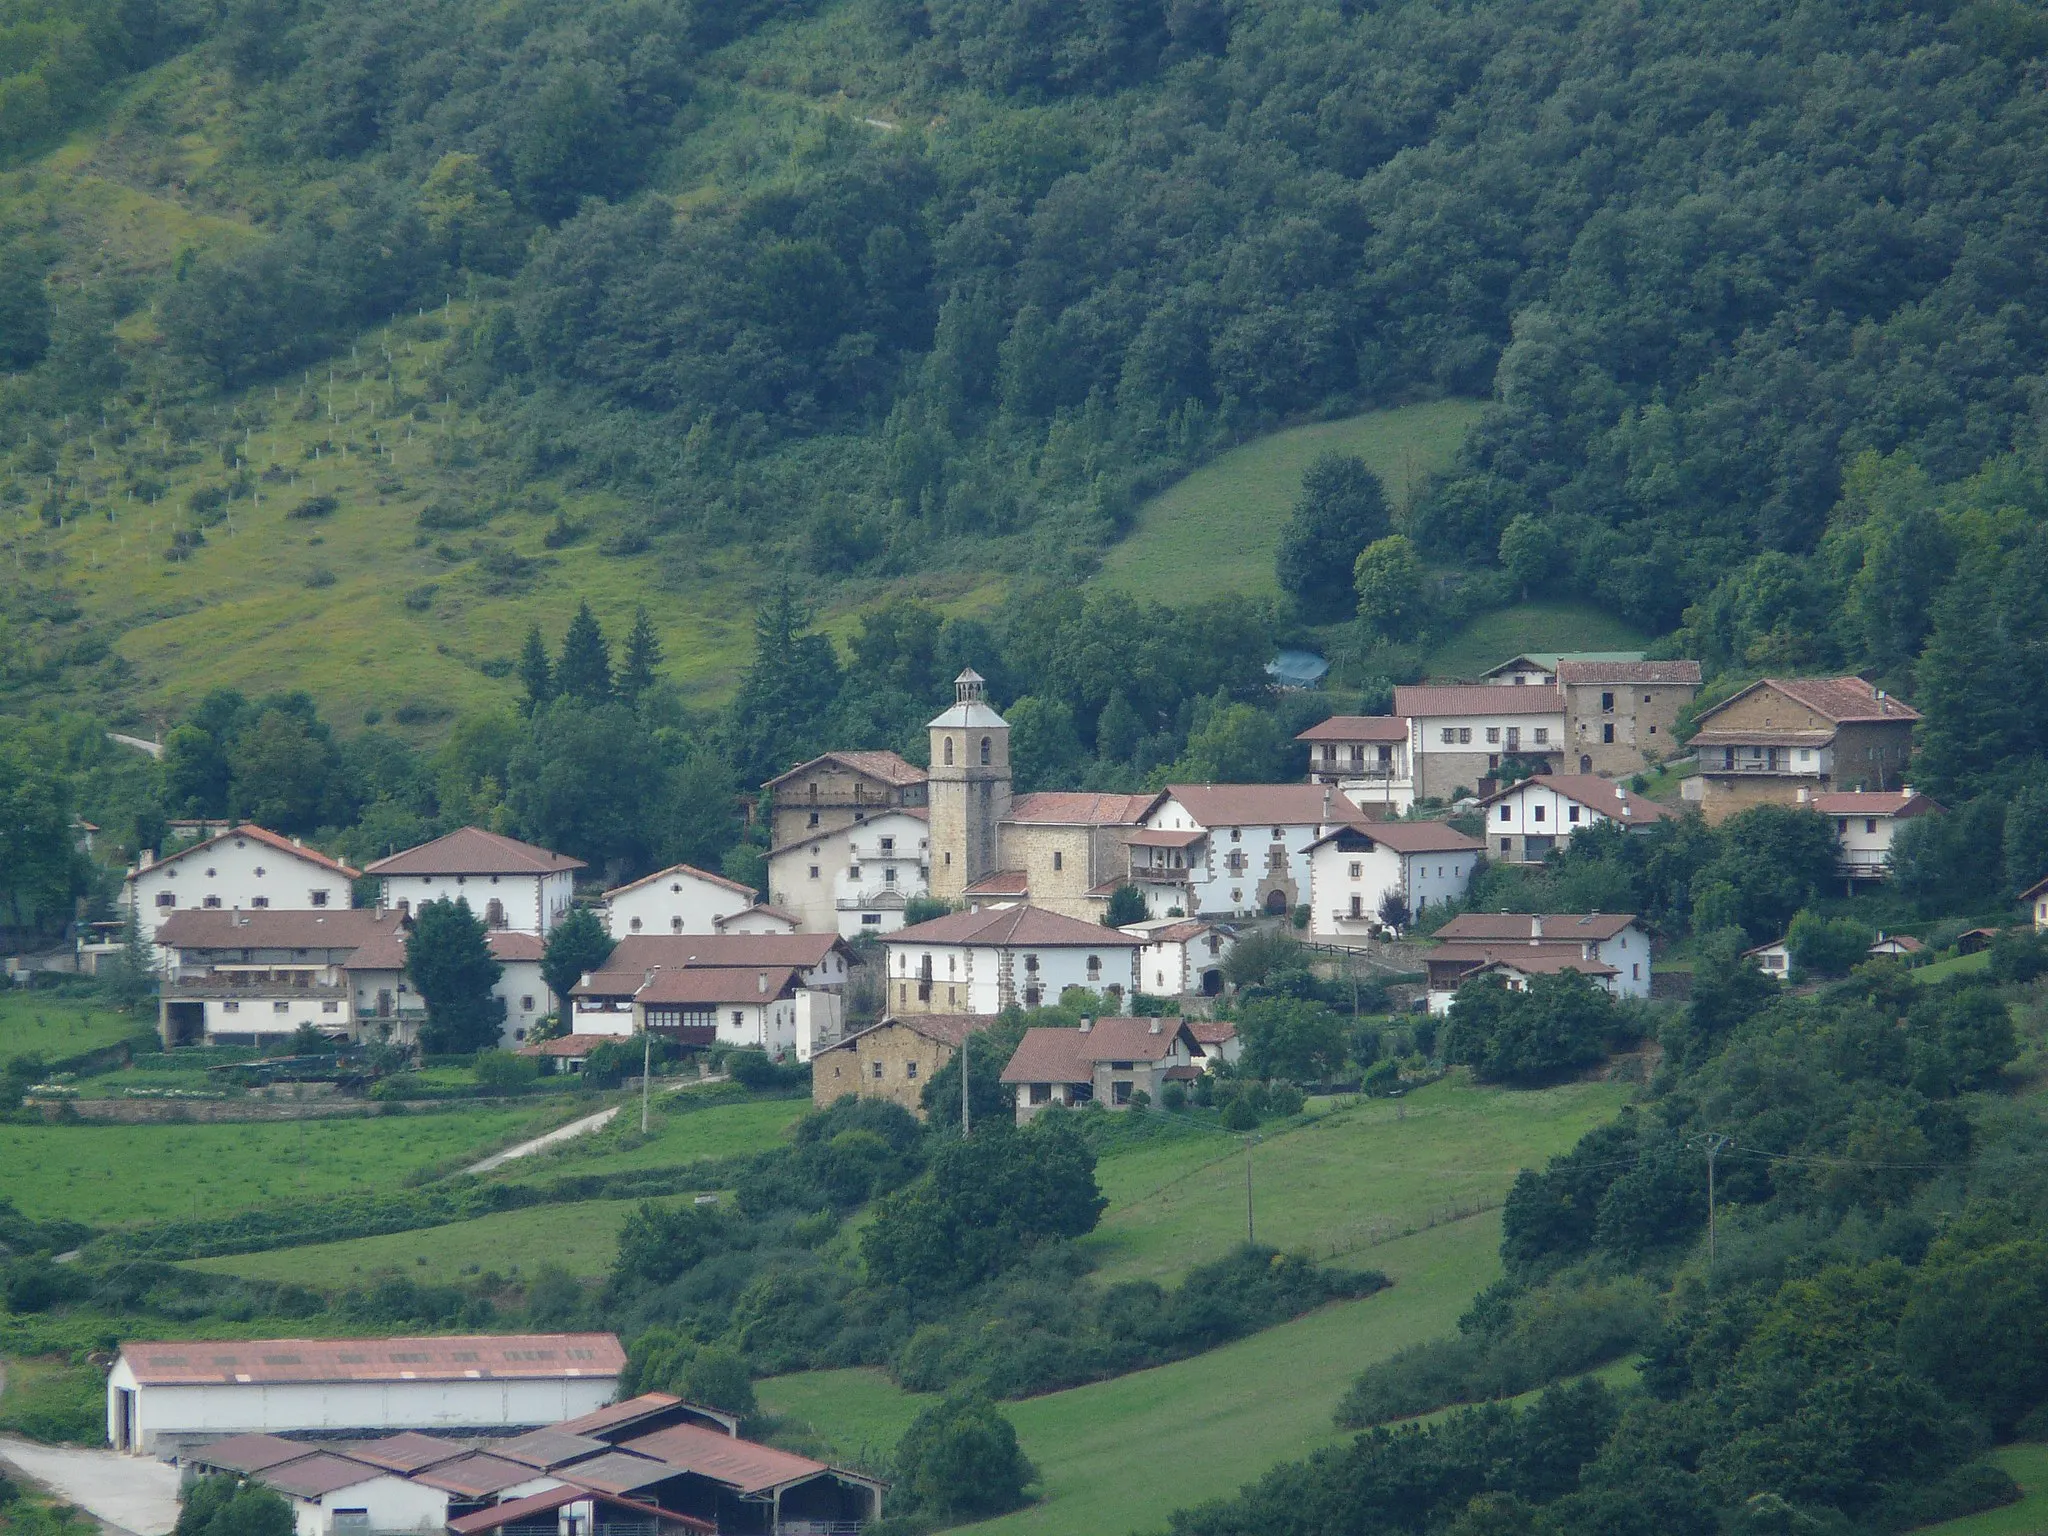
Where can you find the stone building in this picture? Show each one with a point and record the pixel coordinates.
(1786, 741)
(891, 1060)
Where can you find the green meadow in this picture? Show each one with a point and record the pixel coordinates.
(2028, 1465)
(54, 1027)
(1493, 637)
(1217, 529)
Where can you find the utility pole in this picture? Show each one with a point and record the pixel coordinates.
(646, 1073)
(966, 1122)
(1714, 1142)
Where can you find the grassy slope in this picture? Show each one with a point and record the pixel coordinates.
(719, 1130)
(56, 1027)
(1216, 531)
(1493, 637)
(1353, 1177)
(2028, 1465)
(110, 1174)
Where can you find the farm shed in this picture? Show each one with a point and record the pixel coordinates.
(165, 1397)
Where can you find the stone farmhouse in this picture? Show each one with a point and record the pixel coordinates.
(1621, 715)
(1107, 1060)
(1784, 741)
(891, 1060)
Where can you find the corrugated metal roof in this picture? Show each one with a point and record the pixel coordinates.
(520, 1511)
(549, 1448)
(477, 1475)
(249, 1453)
(739, 1464)
(408, 1452)
(263, 1362)
(323, 1472)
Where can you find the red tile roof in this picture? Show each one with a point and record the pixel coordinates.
(565, 1046)
(473, 851)
(1557, 927)
(508, 944)
(947, 1029)
(720, 984)
(1668, 673)
(1870, 802)
(1014, 928)
(618, 1472)
(1841, 699)
(1052, 1055)
(1358, 728)
(645, 951)
(1212, 1031)
(1270, 805)
(1180, 932)
(676, 874)
(886, 766)
(1166, 837)
(759, 907)
(505, 1356)
(1610, 799)
(267, 837)
(739, 1464)
(408, 1452)
(1079, 808)
(1431, 699)
(1003, 882)
(1544, 963)
(271, 928)
(1403, 837)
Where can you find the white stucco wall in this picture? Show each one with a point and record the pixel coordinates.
(235, 872)
(1215, 889)
(967, 978)
(526, 998)
(532, 903)
(677, 902)
(391, 1503)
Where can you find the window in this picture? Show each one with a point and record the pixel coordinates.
(1464, 735)
(1450, 736)
(1538, 812)
(1607, 733)
(814, 871)
(1506, 814)
(1870, 824)
(1357, 869)
(259, 901)
(1607, 703)
(889, 875)
(1571, 813)
(1041, 1093)
(1236, 834)
(853, 872)
(1841, 826)
(1278, 834)
(871, 919)
(814, 818)
(1506, 844)
(330, 1005)
(1095, 967)
(319, 898)
(878, 1071)
(166, 899)
(1542, 735)
(1059, 860)
(910, 1070)
(280, 1006)
(210, 902)
(1493, 735)
(1120, 1092)
(738, 1018)
(635, 925)
(949, 751)
(526, 1005)
(888, 845)
(1357, 906)
(1032, 996)
(494, 914)
(231, 1006)
(675, 925)
(902, 994)
(985, 758)
(1031, 965)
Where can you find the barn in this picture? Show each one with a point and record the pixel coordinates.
(163, 1398)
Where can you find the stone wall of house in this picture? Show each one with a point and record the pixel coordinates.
(1644, 717)
(907, 1061)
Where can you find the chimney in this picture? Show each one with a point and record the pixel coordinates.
(1535, 929)
(1154, 1029)
(1905, 791)
(147, 857)
(1087, 1023)
(1805, 795)
(760, 981)
(297, 841)
(649, 977)
(1327, 793)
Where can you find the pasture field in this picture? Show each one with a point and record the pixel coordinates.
(717, 1130)
(1217, 529)
(108, 1175)
(1382, 1183)
(582, 1238)
(34, 1023)
(1493, 637)
(2028, 1465)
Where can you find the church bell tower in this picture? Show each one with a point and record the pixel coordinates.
(969, 788)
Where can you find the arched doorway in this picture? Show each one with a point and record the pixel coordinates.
(1276, 903)
(1585, 763)
(1212, 983)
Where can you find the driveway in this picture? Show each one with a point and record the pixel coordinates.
(131, 1493)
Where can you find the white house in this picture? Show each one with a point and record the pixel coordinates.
(509, 884)
(2036, 898)
(679, 899)
(335, 1495)
(1354, 869)
(1609, 945)
(380, 993)
(245, 867)
(1773, 959)
(1458, 733)
(1526, 821)
(1539, 669)
(250, 978)
(163, 1396)
(1249, 848)
(1182, 955)
(983, 962)
(760, 918)
(823, 961)
(1366, 757)
(855, 878)
(1517, 971)
(1866, 821)
(756, 1008)
(521, 988)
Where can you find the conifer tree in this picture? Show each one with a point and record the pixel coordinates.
(643, 656)
(536, 676)
(585, 670)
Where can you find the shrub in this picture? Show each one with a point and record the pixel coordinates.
(1240, 1116)
(320, 577)
(1558, 1025)
(1284, 1099)
(224, 1505)
(322, 505)
(754, 1070)
(960, 1460)
(1174, 1097)
(1822, 946)
(504, 1071)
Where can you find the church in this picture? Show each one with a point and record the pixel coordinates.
(859, 835)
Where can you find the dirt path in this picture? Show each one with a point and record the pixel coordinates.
(558, 1135)
(133, 1494)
